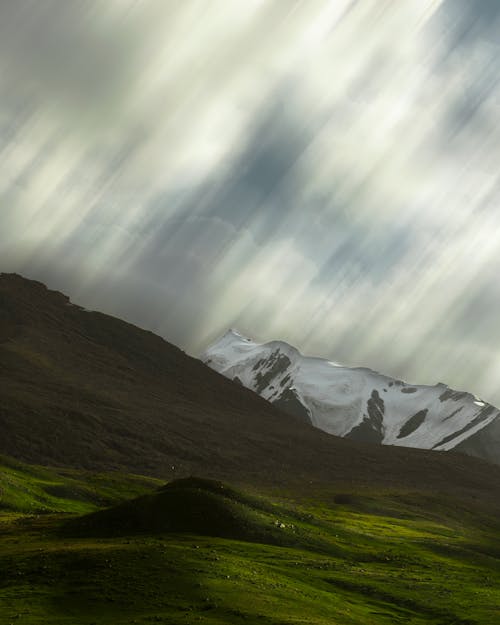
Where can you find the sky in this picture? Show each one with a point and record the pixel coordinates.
(321, 172)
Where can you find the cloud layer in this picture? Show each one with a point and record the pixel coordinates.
(322, 172)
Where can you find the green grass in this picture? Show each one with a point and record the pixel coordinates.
(29, 489)
(202, 552)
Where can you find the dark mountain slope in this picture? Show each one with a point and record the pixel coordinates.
(84, 389)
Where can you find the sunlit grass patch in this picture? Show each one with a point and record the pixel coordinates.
(206, 553)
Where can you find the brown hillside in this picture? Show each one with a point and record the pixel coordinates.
(84, 389)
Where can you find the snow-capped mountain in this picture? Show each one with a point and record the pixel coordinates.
(359, 403)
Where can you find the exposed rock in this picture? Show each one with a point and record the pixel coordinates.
(413, 423)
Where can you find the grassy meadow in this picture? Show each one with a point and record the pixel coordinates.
(79, 548)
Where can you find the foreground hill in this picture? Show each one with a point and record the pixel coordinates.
(359, 403)
(85, 390)
(199, 551)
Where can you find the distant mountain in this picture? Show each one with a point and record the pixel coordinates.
(358, 403)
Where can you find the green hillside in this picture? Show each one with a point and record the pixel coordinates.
(29, 489)
(198, 551)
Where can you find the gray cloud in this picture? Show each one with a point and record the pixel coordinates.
(309, 171)
(468, 23)
(65, 55)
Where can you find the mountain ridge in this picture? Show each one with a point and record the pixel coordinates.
(85, 390)
(358, 402)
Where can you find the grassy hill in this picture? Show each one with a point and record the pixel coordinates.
(199, 551)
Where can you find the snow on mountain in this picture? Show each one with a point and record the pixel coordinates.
(359, 403)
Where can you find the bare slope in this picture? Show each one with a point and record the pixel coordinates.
(86, 390)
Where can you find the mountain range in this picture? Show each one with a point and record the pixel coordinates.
(358, 403)
(85, 390)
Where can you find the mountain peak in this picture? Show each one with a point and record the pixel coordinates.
(357, 403)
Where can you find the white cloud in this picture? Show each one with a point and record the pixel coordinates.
(325, 172)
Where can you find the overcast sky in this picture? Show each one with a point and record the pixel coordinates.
(326, 173)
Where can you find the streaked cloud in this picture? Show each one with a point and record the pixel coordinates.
(322, 172)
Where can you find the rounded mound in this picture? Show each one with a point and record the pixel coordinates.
(192, 505)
